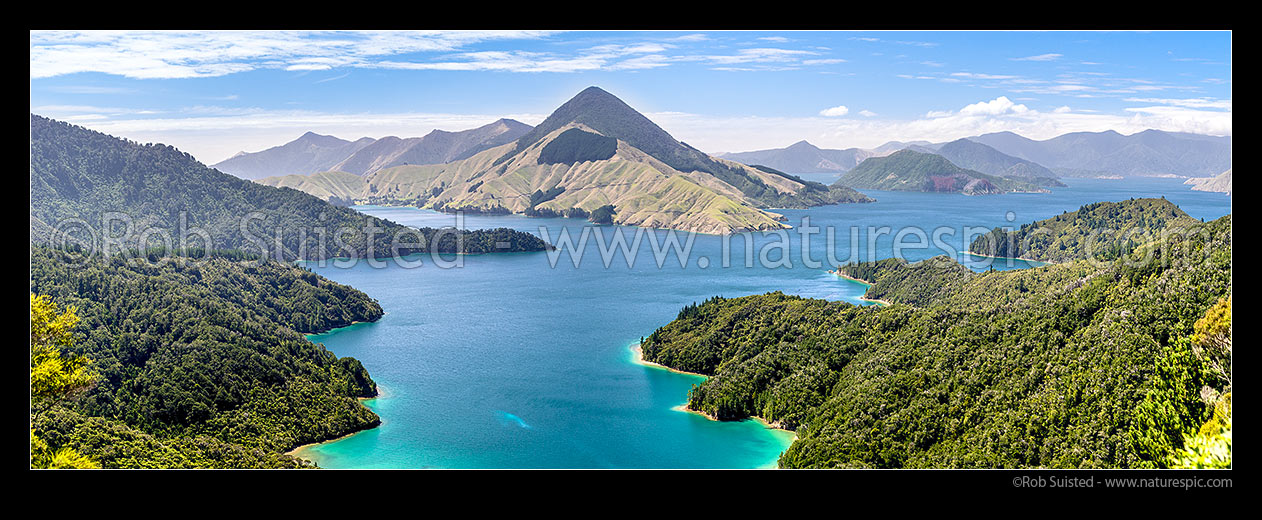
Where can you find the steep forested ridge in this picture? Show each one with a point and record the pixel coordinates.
(1102, 231)
(977, 156)
(918, 284)
(910, 170)
(1069, 365)
(89, 177)
(204, 364)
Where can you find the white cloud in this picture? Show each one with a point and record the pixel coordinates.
(1187, 103)
(825, 61)
(91, 89)
(867, 113)
(173, 54)
(1061, 110)
(998, 106)
(651, 61)
(689, 38)
(971, 75)
(332, 78)
(777, 39)
(505, 61)
(758, 55)
(1040, 57)
(836, 111)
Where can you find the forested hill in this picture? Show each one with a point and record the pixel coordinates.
(910, 170)
(894, 280)
(89, 178)
(1103, 231)
(1077, 364)
(202, 365)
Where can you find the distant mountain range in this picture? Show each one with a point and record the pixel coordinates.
(803, 157)
(1080, 154)
(973, 155)
(592, 153)
(313, 153)
(1147, 153)
(910, 170)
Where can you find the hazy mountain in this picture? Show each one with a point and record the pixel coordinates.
(593, 152)
(976, 156)
(1220, 183)
(910, 170)
(436, 147)
(1147, 153)
(314, 153)
(894, 146)
(307, 154)
(802, 157)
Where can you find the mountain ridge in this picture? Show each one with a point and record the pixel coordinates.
(314, 153)
(585, 153)
(910, 170)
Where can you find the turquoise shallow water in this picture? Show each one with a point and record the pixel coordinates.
(509, 362)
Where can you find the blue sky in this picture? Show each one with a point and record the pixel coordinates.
(215, 93)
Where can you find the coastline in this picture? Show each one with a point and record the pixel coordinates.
(335, 329)
(838, 272)
(638, 358)
(296, 452)
(769, 425)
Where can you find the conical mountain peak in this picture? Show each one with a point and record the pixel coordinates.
(605, 113)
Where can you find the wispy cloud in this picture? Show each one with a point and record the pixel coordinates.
(1224, 104)
(758, 55)
(837, 111)
(332, 78)
(171, 54)
(91, 89)
(689, 38)
(1040, 57)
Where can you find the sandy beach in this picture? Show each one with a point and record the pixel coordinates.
(296, 452)
(638, 358)
(882, 303)
(769, 425)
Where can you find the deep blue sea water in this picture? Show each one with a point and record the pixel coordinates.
(511, 362)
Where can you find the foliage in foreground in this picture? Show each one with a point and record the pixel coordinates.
(204, 364)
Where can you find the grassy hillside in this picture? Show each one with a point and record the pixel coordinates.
(600, 152)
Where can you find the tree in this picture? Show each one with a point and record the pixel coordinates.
(55, 376)
(1212, 341)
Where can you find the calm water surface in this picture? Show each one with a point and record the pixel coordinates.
(509, 362)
